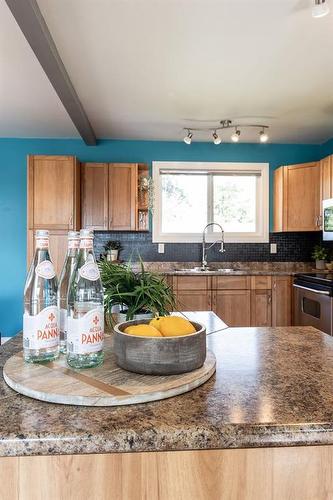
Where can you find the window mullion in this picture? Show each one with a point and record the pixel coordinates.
(210, 201)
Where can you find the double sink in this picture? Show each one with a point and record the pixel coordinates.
(209, 269)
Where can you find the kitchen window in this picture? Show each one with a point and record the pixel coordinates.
(190, 195)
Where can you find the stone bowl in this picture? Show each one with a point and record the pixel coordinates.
(159, 355)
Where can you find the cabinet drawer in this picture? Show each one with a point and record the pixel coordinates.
(192, 282)
(231, 282)
(261, 282)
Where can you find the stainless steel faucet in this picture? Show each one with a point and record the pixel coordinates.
(204, 248)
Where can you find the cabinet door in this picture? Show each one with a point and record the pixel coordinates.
(53, 192)
(326, 177)
(261, 307)
(281, 300)
(194, 300)
(122, 196)
(95, 195)
(58, 248)
(233, 306)
(301, 199)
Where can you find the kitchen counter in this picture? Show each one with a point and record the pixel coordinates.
(273, 387)
(231, 268)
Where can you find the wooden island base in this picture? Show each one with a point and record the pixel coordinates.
(290, 473)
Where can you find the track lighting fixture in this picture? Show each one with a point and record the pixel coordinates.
(226, 125)
(235, 136)
(188, 138)
(216, 139)
(320, 8)
(263, 137)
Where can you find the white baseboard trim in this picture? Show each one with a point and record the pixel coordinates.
(4, 339)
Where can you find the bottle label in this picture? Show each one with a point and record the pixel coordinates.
(73, 244)
(42, 243)
(63, 323)
(85, 335)
(87, 243)
(45, 270)
(89, 271)
(42, 330)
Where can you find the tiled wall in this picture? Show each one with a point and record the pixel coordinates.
(290, 247)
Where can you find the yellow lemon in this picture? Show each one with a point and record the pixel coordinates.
(143, 331)
(175, 326)
(156, 322)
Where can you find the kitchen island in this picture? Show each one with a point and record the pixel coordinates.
(252, 431)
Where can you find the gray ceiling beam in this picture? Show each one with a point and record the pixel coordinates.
(33, 26)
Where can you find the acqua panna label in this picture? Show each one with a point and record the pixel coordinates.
(85, 335)
(89, 271)
(42, 330)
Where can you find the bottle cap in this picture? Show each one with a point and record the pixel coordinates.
(42, 233)
(86, 233)
(73, 235)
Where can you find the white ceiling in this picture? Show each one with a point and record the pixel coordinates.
(29, 107)
(146, 68)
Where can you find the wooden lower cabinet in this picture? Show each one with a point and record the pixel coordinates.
(233, 306)
(261, 307)
(281, 300)
(58, 248)
(194, 300)
(293, 473)
(238, 300)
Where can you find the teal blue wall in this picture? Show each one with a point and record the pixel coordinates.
(13, 153)
(326, 149)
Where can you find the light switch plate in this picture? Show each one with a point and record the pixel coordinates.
(161, 248)
(273, 248)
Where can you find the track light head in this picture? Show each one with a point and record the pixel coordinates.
(320, 8)
(236, 135)
(188, 137)
(263, 137)
(216, 139)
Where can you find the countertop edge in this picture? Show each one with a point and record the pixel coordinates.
(237, 437)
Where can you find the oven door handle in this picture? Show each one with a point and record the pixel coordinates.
(319, 292)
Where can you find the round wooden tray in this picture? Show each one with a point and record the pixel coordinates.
(107, 385)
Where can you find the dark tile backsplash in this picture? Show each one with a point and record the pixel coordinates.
(296, 247)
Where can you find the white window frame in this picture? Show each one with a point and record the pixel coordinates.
(262, 223)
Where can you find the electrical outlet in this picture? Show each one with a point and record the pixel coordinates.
(273, 248)
(161, 248)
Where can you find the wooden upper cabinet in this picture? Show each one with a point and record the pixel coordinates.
(123, 188)
(53, 192)
(95, 195)
(58, 248)
(326, 190)
(297, 198)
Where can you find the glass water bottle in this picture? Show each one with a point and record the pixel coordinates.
(64, 282)
(41, 318)
(85, 329)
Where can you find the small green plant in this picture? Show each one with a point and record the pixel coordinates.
(112, 245)
(136, 292)
(319, 253)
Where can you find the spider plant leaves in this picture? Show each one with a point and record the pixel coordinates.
(135, 291)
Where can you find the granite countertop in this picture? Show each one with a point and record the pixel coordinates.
(231, 268)
(273, 387)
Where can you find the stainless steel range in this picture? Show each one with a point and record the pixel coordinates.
(313, 299)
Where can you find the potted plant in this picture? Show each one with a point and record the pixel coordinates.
(112, 249)
(319, 254)
(138, 294)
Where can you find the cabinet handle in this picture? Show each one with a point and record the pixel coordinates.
(270, 298)
(105, 221)
(70, 220)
